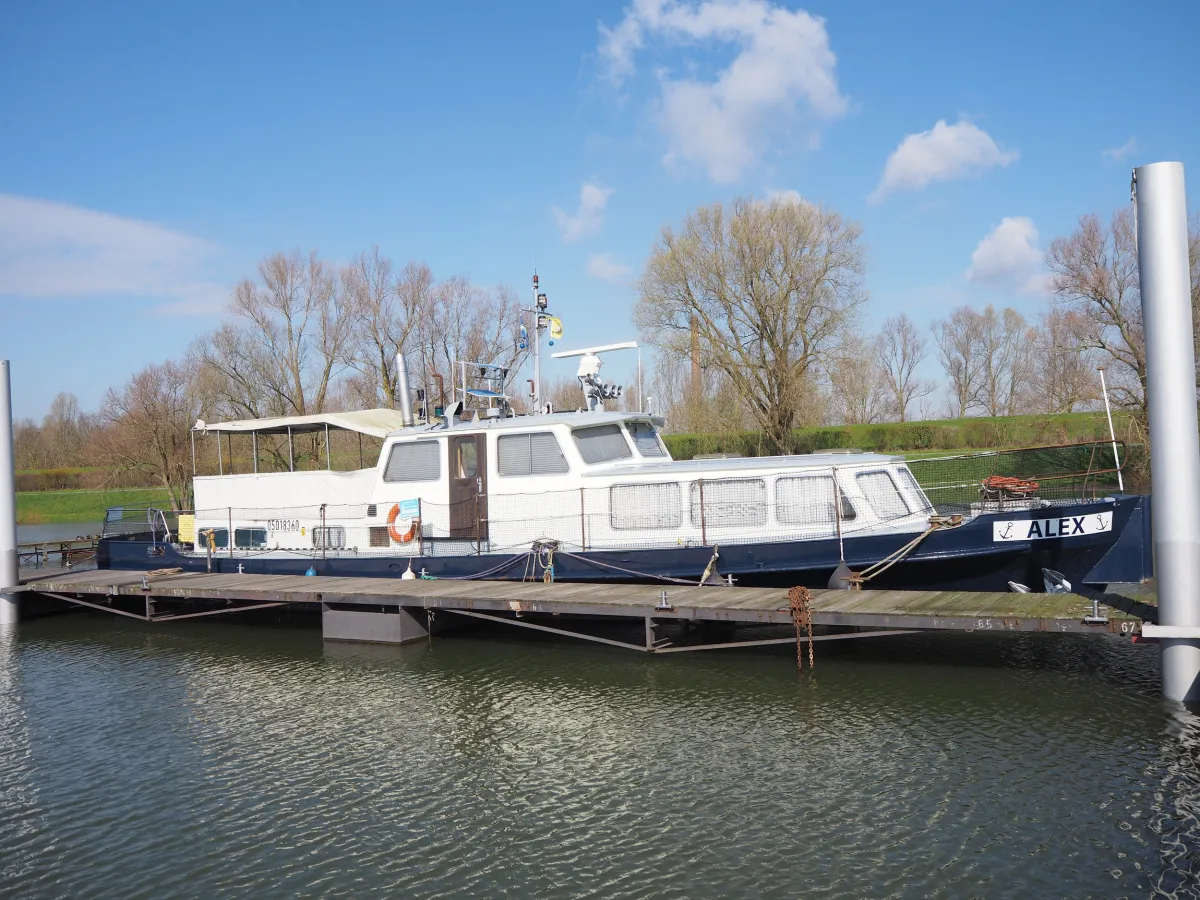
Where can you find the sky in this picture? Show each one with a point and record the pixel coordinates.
(152, 153)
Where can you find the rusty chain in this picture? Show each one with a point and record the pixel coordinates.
(801, 602)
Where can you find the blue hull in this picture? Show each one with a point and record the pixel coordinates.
(963, 558)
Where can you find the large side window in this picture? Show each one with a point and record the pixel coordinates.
(601, 444)
(729, 502)
(645, 505)
(250, 538)
(645, 439)
(414, 461)
(530, 454)
(809, 500)
(882, 494)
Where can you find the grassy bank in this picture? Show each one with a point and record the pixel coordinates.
(43, 507)
(917, 438)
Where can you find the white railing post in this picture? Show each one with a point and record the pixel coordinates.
(1171, 388)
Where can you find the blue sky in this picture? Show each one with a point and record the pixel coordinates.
(153, 153)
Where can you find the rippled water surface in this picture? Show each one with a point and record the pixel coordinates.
(203, 759)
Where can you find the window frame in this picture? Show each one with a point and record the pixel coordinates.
(404, 445)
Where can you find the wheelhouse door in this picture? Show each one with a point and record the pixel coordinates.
(468, 487)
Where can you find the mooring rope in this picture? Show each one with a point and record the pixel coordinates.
(936, 523)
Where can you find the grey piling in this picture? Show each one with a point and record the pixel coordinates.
(1174, 446)
(9, 565)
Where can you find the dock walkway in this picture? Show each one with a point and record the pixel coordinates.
(168, 597)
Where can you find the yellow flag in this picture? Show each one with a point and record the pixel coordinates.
(555, 328)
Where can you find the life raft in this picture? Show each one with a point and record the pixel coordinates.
(394, 533)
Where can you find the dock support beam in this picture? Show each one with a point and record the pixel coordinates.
(1171, 388)
(10, 576)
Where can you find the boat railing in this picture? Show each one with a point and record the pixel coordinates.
(999, 479)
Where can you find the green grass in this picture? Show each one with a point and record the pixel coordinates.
(931, 438)
(42, 507)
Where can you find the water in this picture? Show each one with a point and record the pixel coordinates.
(56, 531)
(215, 758)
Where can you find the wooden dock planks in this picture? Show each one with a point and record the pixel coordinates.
(950, 610)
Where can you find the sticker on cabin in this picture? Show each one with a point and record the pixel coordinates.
(1040, 529)
(409, 509)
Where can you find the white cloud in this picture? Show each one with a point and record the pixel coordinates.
(604, 267)
(1009, 257)
(52, 249)
(783, 66)
(787, 195)
(1117, 154)
(943, 153)
(589, 218)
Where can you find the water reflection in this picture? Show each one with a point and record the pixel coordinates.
(196, 760)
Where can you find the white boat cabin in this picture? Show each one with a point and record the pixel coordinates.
(588, 480)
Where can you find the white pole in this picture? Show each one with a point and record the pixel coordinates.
(641, 396)
(1111, 434)
(1171, 388)
(10, 574)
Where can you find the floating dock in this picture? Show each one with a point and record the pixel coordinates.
(398, 610)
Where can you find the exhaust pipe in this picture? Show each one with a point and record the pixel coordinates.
(405, 398)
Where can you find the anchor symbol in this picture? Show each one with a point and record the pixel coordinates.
(1008, 527)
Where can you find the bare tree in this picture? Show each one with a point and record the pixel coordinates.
(287, 343)
(900, 349)
(1095, 275)
(459, 322)
(1006, 346)
(1065, 362)
(857, 385)
(148, 423)
(771, 288)
(384, 311)
(958, 349)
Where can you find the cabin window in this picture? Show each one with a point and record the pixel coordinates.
(467, 465)
(331, 537)
(645, 439)
(883, 495)
(729, 502)
(530, 454)
(809, 500)
(645, 505)
(250, 538)
(414, 461)
(907, 479)
(220, 537)
(601, 444)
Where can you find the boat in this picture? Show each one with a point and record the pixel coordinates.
(593, 495)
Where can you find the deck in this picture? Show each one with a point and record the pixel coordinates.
(163, 597)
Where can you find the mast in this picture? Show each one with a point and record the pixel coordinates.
(541, 321)
(537, 348)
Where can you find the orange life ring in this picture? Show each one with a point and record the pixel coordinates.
(395, 535)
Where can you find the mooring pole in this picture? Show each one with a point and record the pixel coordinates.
(1174, 447)
(10, 576)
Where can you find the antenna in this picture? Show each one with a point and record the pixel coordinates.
(624, 345)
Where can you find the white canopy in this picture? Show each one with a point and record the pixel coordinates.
(374, 422)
